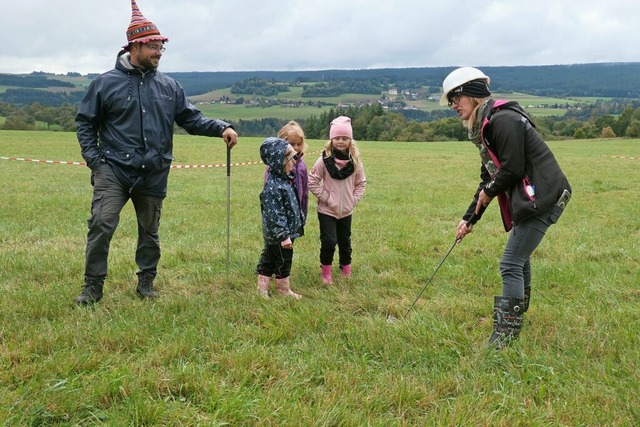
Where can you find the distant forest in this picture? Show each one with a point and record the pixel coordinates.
(607, 80)
(614, 111)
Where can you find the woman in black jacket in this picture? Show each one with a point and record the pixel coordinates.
(520, 170)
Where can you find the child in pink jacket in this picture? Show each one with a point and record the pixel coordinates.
(338, 181)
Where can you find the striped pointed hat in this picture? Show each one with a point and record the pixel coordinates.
(140, 29)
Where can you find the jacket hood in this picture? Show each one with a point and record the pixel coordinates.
(272, 153)
(123, 61)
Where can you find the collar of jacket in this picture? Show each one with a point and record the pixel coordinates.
(123, 63)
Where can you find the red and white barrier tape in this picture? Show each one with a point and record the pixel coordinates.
(61, 162)
(56, 162)
(222, 165)
(623, 157)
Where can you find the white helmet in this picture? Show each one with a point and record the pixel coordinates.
(459, 77)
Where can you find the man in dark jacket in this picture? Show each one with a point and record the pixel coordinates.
(125, 129)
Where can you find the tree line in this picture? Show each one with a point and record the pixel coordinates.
(34, 80)
(25, 117)
(373, 123)
(601, 80)
(605, 80)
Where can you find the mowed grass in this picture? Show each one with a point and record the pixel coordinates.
(211, 352)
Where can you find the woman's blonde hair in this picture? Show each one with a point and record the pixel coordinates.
(293, 128)
(354, 153)
(471, 122)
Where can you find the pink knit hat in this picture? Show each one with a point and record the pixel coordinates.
(341, 126)
(141, 30)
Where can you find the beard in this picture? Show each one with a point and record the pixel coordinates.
(150, 63)
(147, 62)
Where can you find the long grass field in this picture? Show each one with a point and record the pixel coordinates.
(211, 352)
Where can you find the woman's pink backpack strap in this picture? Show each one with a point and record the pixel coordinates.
(503, 199)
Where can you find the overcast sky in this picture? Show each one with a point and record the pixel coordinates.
(247, 35)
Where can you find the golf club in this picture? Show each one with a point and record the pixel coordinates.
(391, 318)
(228, 205)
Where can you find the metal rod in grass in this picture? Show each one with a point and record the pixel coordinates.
(458, 239)
(228, 206)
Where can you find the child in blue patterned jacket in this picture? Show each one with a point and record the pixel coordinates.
(282, 217)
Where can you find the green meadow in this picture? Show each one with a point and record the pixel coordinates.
(536, 105)
(236, 112)
(211, 352)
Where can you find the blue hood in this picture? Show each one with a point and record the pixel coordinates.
(272, 153)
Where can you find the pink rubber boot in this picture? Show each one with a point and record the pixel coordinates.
(263, 285)
(326, 274)
(282, 285)
(346, 270)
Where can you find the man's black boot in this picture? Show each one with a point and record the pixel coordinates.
(91, 293)
(145, 287)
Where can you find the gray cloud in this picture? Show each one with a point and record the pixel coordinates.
(243, 35)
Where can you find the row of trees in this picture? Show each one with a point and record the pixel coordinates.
(258, 87)
(336, 87)
(370, 123)
(25, 118)
(331, 88)
(34, 80)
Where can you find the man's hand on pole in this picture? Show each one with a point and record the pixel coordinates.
(230, 137)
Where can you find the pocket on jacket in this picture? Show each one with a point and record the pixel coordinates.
(332, 203)
(154, 161)
(125, 158)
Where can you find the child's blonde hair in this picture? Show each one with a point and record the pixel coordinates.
(354, 153)
(293, 128)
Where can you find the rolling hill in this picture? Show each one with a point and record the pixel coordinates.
(600, 80)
